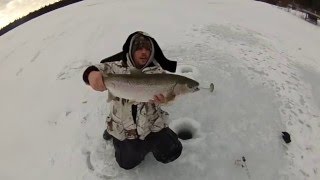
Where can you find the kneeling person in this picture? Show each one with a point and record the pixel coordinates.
(137, 128)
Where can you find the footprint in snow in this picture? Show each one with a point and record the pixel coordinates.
(19, 72)
(71, 70)
(100, 159)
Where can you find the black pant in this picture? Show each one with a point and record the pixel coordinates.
(164, 145)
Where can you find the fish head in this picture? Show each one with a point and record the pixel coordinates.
(192, 86)
(187, 86)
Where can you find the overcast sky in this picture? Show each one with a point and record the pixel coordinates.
(13, 9)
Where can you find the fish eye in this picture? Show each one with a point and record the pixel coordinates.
(189, 86)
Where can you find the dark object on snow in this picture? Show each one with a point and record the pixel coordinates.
(184, 134)
(106, 135)
(311, 16)
(211, 87)
(165, 63)
(242, 162)
(286, 137)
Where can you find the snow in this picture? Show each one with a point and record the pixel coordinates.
(263, 61)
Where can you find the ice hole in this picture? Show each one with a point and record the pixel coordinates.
(186, 128)
(185, 134)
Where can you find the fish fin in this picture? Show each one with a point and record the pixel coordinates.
(135, 71)
(211, 87)
(170, 97)
(111, 97)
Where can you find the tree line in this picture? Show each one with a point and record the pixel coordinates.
(307, 4)
(36, 13)
(313, 5)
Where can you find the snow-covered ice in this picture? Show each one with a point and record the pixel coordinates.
(263, 61)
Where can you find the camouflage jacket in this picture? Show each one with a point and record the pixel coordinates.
(131, 120)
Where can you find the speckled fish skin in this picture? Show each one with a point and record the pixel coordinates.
(143, 87)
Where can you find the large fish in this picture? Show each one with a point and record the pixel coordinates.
(141, 87)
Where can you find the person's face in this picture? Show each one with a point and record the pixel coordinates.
(141, 57)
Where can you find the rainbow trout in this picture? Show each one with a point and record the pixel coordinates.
(141, 87)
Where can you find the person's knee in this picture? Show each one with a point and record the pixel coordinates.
(128, 162)
(128, 165)
(172, 150)
(171, 155)
(129, 153)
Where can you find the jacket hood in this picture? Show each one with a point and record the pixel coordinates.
(157, 53)
(137, 39)
(158, 56)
